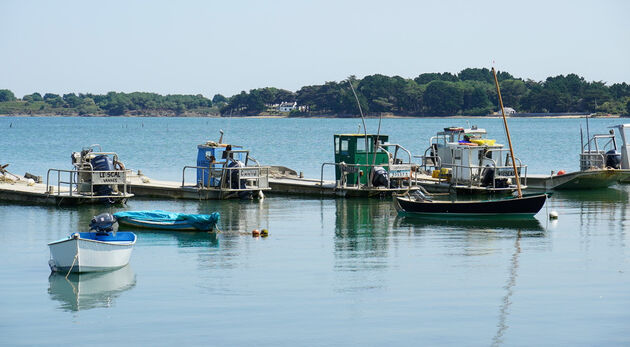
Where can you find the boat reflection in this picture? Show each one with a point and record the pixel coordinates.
(238, 216)
(593, 206)
(90, 290)
(531, 225)
(361, 244)
(618, 194)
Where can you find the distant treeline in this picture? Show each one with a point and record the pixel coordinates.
(470, 92)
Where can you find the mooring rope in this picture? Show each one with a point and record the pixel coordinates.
(71, 266)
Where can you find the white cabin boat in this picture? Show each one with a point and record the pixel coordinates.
(101, 249)
(465, 160)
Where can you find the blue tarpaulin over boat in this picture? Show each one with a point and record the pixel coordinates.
(168, 220)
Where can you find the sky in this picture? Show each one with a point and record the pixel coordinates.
(210, 47)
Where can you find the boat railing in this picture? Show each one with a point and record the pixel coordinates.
(592, 160)
(593, 145)
(76, 187)
(477, 173)
(402, 173)
(432, 160)
(397, 147)
(230, 178)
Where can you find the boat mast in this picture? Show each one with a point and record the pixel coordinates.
(367, 145)
(507, 131)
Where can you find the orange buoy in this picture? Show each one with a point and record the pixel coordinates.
(255, 233)
(561, 172)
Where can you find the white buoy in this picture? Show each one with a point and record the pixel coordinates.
(553, 215)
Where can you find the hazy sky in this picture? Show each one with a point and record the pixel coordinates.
(209, 47)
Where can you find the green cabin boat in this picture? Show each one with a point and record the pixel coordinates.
(370, 163)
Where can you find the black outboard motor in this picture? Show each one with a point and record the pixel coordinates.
(104, 223)
(613, 159)
(380, 177)
(103, 163)
(486, 176)
(236, 183)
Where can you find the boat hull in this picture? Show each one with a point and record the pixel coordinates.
(177, 225)
(526, 206)
(590, 179)
(77, 254)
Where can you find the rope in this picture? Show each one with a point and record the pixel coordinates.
(71, 266)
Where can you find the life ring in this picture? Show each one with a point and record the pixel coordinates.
(119, 165)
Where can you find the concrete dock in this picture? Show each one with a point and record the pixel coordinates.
(24, 191)
(143, 186)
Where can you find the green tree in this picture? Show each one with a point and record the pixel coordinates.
(6, 95)
(425, 78)
(443, 98)
(33, 97)
(72, 100)
(476, 74)
(218, 98)
(54, 100)
(512, 91)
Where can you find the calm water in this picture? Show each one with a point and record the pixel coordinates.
(332, 272)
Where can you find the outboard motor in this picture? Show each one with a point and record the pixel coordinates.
(613, 159)
(486, 176)
(380, 177)
(420, 196)
(104, 223)
(103, 163)
(236, 183)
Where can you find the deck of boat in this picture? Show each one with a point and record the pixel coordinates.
(293, 185)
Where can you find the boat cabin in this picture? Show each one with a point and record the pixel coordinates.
(469, 158)
(212, 155)
(361, 159)
(225, 171)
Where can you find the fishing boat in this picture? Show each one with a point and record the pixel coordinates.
(223, 171)
(102, 248)
(366, 165)
(418, 203)
(164, 220)
(464, 160)
(97, 177)
(602, 164)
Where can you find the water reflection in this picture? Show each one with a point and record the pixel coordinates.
(238, 216)
(90, 290)
(609, 205)
(531, 226)
(361, 242)
(184, 239)
(509, 290)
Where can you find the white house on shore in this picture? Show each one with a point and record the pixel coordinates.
(508, 111)
(287, 106)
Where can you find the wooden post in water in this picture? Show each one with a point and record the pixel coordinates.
(507, 131)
